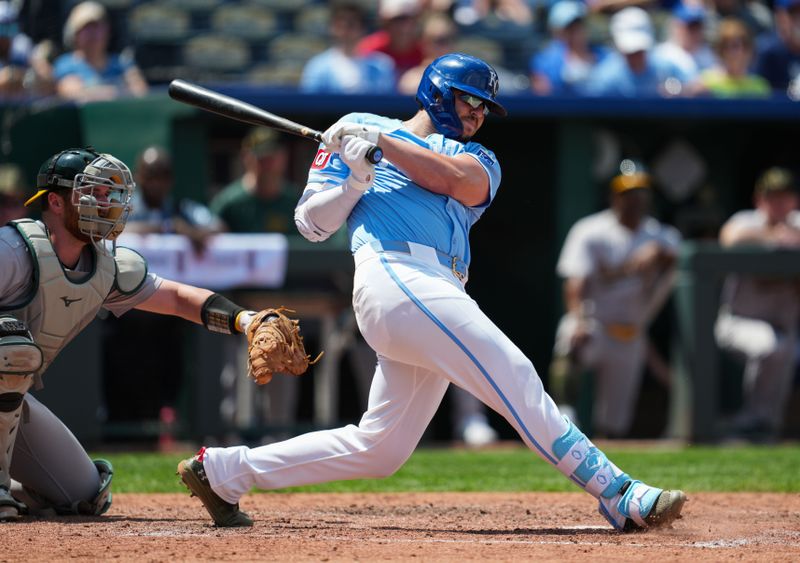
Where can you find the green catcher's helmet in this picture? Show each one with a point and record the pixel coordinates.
(59, 170)
(101, 189)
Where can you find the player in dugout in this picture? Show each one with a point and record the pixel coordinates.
(55, 275)
(409, 219)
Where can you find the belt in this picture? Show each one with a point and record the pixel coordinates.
(453, 263)
(622, 332)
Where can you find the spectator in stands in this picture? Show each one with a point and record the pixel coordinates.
(759, 315)
(89, 71)
(733, 78)
(21, 73)
(778, 54)
(262, 199)
(399, 35)
(686, 45)
(157, 210)
(755, 14)
(438, 38)
(564, 65)
(340, 69)
(618, 267)
(634, 70)
(12, 194)
(493, 14)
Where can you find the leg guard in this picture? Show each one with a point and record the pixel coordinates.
(19, 354)
(20, 357)
(582, 462)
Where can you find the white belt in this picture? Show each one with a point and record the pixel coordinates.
(426, 253)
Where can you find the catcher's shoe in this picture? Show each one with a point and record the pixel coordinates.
(10, 508)
(224, 514)
(639, 507)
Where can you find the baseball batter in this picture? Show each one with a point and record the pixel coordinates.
(56, 275)
(409, 220)
(758, 316)
(618, 267)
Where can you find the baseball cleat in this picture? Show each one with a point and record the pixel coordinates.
(224, 514)
(10, 508)
(666, 510)
(638, 507)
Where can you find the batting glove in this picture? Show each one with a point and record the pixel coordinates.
(336, 133)
(353, 153)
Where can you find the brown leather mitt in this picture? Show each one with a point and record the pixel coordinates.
(275, 346)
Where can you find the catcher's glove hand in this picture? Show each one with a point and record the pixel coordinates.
(275, 345)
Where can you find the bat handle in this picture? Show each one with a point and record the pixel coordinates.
(374, 155)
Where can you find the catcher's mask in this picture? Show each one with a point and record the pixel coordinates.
(102, 195)
(462, 72)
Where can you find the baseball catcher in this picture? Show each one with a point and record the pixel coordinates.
(56, 275)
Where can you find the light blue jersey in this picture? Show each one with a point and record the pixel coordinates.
(397, 209)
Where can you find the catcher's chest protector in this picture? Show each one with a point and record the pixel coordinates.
(59, 309)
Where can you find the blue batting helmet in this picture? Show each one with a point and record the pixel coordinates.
(461, 72)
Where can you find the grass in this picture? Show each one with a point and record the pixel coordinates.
(693, 468)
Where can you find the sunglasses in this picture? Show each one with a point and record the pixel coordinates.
(474, 102)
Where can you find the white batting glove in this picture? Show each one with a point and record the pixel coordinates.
(362, 172)
(336, 133)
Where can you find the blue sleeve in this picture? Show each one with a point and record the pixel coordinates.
(488, 160)
(63, 66)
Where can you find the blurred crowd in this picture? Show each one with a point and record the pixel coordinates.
(103, 49)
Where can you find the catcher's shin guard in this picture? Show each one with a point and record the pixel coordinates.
(20, 357)
(224, 514)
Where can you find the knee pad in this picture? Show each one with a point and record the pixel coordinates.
(19, 354)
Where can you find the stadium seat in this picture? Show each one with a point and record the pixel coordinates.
(280, 74)
(215, 52)
(157, 21)
(487, 49)
(195, 5)
(296, 47)
(247, 21)
(284, 5)
(313, 19)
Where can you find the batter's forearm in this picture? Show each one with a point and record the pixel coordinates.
(320, 213)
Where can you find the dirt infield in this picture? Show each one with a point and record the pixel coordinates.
(411, 527)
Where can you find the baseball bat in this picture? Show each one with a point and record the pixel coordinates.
(230, 107)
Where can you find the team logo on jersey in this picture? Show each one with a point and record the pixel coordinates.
(486, 157)
(321, 159)
(67, 301)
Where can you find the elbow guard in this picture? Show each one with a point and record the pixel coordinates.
(307, 228)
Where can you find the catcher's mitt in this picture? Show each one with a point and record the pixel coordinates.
(275, 345)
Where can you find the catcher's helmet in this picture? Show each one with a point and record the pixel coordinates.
(59, 170)
(461, 72)
(101, 185)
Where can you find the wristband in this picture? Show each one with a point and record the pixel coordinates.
(219, 314)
